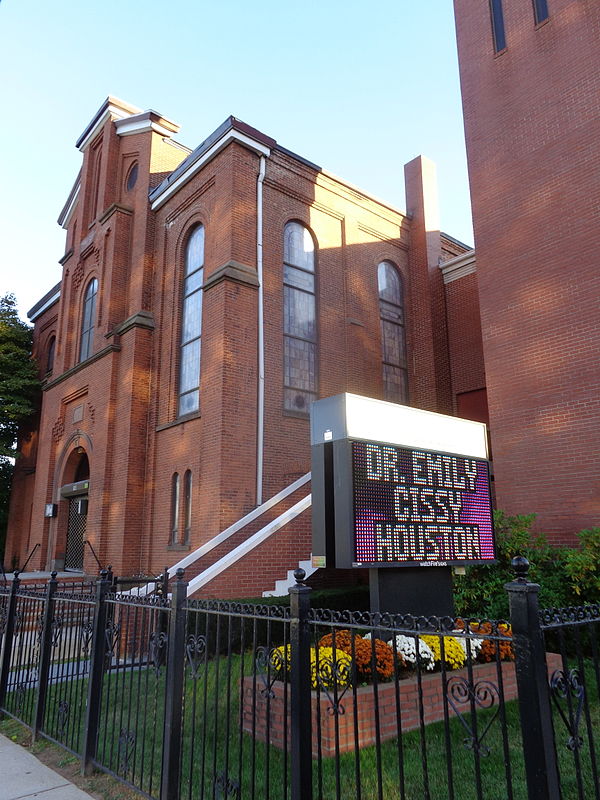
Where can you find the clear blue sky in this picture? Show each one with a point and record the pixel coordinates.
(359, 88)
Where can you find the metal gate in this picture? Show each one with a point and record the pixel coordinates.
(76, 533)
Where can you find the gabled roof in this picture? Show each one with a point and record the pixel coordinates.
(65, 214)
(42, 305)
(111, 107)
(232, 128)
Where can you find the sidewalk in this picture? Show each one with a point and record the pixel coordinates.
(23, 776)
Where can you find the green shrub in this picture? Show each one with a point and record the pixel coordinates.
(583, 567)
(481, 592)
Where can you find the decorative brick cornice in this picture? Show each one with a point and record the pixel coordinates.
(459, 267)
(112, 348)
(113, 209)
(399, 242)
(142, 319)
(232, 271)
(62, 261)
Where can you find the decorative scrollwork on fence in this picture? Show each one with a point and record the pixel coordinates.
(62, 716)
(233, 607)
(574, 615)
(564, 686)
(40, 628)
(195, 651)
(157, 646)
(19, 697)
(112, 633)
(3, 619)
(226, 787)
(125, 750)
(18, 622)
(332, 676)
(270, 666)
(56, 630)
(86, 632)
(482, 694)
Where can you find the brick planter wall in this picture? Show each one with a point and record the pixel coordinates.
(257, 708)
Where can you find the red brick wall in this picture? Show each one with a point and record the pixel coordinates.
(127, 394)
(533, 142)
(464, 336)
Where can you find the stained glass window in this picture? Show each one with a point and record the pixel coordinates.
(393, 341)
(191, 324)
(299, 319)
(88, 321)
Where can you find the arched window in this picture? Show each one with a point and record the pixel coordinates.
(174, 507)
(88, 321)
(191, 324)
(299, 319)
(50, 354)
(187, 491)
(132, 177)
(393, 341)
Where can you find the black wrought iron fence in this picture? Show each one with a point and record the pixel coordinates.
(191, 699)
(575, 696)
(130, 711)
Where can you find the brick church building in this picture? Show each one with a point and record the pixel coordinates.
(530, 77)
(207, 297)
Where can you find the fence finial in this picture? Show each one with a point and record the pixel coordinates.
(520, 567)
(179, 574)
(299, 575)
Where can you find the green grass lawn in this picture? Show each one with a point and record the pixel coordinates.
(217, 757)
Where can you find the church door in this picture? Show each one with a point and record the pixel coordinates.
(76, 532)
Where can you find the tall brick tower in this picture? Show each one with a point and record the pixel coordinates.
(530, 75)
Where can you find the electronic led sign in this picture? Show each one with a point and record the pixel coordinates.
(415, 507)
(396, 486)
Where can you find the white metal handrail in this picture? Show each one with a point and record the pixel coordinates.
(249, 544)
(230, 531)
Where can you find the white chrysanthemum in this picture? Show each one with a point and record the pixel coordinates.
(475, 643)
(406, 647)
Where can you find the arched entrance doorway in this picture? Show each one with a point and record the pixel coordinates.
(76, 494)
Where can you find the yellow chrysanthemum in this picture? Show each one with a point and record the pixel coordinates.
(454, 655)
(333, 669)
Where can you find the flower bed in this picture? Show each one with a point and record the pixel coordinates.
(264, 712)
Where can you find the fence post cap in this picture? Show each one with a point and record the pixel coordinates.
(180, 573)
(520, 567)
(299, 575)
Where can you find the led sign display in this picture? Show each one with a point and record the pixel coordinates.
(414, 507)
(396, 486)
